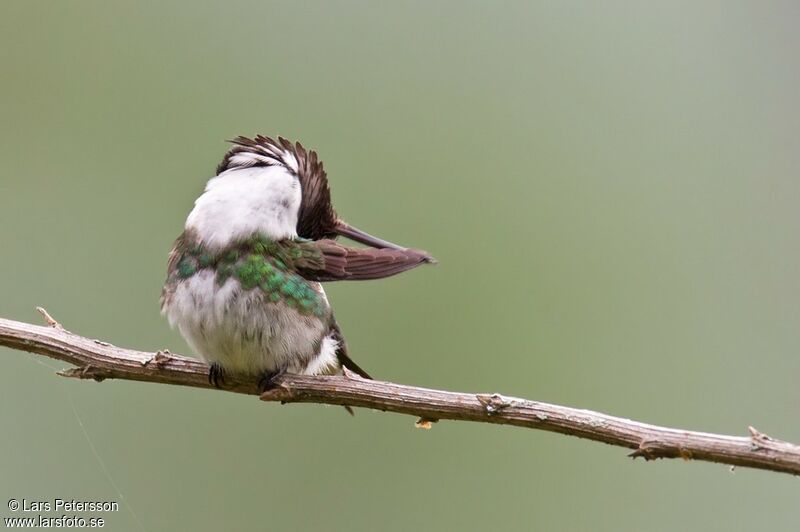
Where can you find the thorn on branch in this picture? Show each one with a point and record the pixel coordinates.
(281, 393)
(48, 319)
(85, 372)
(425, 423)
(640, 453)
(655, 449)
(493, 403)
(646, 450)
(351, 374)
(758, 438)
(72, 373)
(160, 359)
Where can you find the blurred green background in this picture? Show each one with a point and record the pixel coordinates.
(611, 189)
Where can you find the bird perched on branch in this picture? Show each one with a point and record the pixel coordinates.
(243, 280)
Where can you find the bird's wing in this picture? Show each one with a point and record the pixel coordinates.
(327, 260)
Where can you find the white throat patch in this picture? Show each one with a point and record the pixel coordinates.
(243, 201)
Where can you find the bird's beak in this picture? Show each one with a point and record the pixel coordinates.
(353, 233)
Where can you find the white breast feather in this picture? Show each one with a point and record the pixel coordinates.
(326, 361)
(240, 202)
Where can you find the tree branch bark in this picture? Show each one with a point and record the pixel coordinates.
(99, 360)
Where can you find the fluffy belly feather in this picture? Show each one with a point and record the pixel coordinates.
(245, 332)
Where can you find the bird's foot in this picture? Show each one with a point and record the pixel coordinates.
(267, 381)
(216, 374)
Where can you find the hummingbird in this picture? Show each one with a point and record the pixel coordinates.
(244, 277)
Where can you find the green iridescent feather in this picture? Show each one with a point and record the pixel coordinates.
(258, 263)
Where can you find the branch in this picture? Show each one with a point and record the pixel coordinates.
(99, 360)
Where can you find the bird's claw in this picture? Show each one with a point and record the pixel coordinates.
(216, 375)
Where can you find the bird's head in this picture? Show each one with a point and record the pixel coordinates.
(291, 183)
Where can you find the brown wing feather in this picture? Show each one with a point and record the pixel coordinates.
(342, 263)
(316, 218)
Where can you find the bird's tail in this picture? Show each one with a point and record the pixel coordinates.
(344, 359)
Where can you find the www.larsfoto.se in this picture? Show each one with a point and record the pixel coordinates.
(63, 521)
